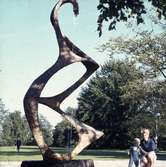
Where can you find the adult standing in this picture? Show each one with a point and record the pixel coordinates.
(147, 148)
(18, 144)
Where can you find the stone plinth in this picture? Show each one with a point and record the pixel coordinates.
(72, 163)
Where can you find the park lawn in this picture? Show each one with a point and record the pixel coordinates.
(26, 153)
(33, 153)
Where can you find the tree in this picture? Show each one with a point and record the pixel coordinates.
(3, 112)
(16, 126)
(147, 50)
(62, 130)
(46, 129)
(122, 10)
(149, 53)
(3, 115)
(12, 128)
(59, 136)
(102, 105)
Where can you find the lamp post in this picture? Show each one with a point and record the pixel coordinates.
(69, 139)
(69, 133)
(157, 116)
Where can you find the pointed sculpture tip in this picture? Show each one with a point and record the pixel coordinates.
(74, 3)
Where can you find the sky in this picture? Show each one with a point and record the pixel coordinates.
(28, 46)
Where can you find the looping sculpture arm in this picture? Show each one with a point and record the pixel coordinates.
(68, 54)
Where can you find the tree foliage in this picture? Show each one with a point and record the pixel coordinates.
(122, 10)
(3, 112)
(59, 136)
(16, 126)
(147, 50)
(12, 128)
(3, 115)
(149, 53)
(61, 132)
(46, 129)
(101, 103)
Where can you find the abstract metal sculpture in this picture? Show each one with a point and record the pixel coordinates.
(68, 54)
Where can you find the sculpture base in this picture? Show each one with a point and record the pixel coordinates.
(72, 163)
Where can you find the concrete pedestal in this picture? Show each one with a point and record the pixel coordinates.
(72, 163)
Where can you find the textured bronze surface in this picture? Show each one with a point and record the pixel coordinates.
(72, 163)
(68, 54)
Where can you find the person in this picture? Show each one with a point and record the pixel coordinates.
(18, 144)
(134, 153)
(147, 149)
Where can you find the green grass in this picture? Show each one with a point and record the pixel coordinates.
(33, 153)
(26, 153)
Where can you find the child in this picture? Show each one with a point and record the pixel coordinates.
(134, 153)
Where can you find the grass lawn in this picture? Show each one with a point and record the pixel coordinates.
(33, 153)
(26, 153)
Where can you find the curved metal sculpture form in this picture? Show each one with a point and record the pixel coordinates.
(68, 54)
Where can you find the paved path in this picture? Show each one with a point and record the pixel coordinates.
(123, 163)
(114, 163)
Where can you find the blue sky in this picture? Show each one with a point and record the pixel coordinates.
(28, 46)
